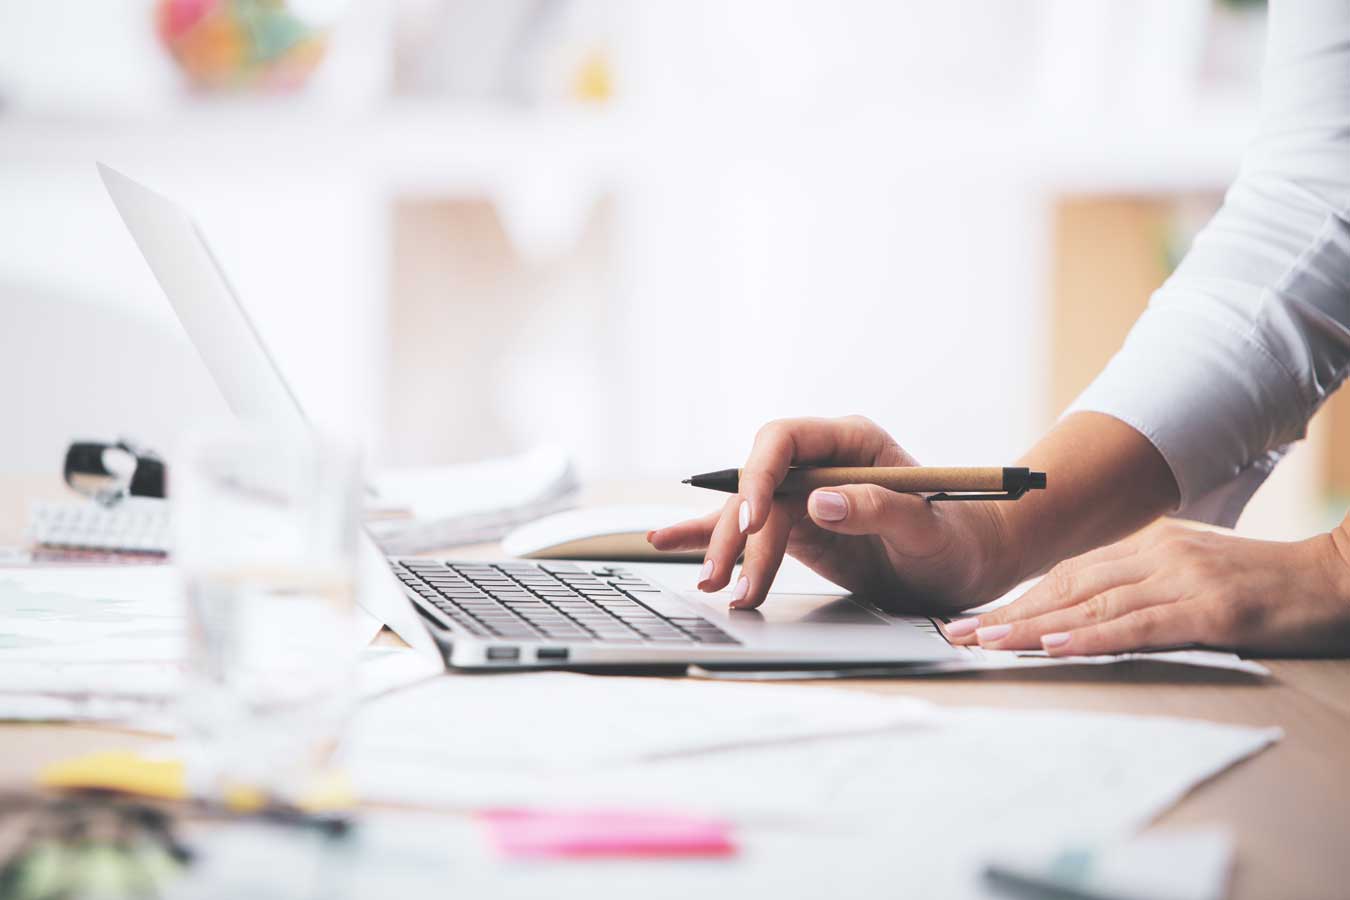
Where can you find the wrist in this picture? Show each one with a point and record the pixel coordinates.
(996, 554)
(1334, 556)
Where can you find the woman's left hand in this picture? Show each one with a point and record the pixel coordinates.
(1169, 586)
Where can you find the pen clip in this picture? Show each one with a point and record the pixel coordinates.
(1002, 495)
(1016, 482)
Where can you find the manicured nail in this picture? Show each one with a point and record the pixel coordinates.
(992, 632)
(963, 627)
(706, 572)
(744, 517)
(1054, 639)
(649, 536)
(742, 588)
(829, 506)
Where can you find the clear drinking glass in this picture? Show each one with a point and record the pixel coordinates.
(265, 538)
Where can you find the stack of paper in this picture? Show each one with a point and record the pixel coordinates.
(445, 506)
(106, 643)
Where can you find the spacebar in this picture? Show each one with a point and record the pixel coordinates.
(663, 604)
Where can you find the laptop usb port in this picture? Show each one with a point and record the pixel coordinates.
(551, 654)
(503, 654)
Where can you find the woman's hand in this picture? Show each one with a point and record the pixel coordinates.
(1171, 585)
(897, 548)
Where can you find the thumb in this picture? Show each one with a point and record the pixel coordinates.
(902, 520)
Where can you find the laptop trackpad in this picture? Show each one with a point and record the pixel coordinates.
(797, 609)
(805, 609)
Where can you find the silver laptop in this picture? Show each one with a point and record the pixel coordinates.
(513, 614)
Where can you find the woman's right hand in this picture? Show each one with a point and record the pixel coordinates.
(898, 549)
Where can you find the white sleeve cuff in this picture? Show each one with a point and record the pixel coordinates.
(1207, 409)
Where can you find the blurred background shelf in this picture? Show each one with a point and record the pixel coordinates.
(630, 227)
(428, 145)
(420, 144)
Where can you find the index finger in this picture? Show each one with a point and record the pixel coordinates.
(783, 443)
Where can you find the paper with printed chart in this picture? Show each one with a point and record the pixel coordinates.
(106, 643)
(91, 615)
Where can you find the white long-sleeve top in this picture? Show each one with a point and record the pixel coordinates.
(1249, 336)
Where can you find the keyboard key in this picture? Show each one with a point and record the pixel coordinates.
(611, 634)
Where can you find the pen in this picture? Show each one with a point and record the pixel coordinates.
(943, 482)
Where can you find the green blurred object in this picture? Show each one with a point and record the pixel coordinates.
(88, 847)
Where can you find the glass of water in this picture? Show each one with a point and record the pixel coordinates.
(265, 537)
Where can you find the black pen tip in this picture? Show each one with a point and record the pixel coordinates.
(687, 481)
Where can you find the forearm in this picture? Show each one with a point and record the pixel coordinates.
(1243, 343)
(1105, 481)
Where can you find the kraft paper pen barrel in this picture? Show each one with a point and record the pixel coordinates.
(944, 482)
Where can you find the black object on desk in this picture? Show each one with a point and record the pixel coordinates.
(109, 472)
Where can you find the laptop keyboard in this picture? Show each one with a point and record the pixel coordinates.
(555, 601)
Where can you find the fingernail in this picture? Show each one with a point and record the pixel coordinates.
(745, 516)
(829, 506)
(1054, 639)
(963, 627)
(706, 572)
(742, 588)
(992, 632)
(649, 536)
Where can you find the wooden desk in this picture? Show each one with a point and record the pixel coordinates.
(1289, 806)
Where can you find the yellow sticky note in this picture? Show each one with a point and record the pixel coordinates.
(165, 779)
(118, 770)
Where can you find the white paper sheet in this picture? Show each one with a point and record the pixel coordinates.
(435, 492)
(382, 670)
(558, 721)
(979, 660)
(433, 508)
(554, 739)
(962, 763)
(913, 811)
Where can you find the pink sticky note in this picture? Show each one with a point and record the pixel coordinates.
(529, 834)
